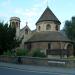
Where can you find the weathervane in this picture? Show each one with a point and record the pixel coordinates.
(47, 3)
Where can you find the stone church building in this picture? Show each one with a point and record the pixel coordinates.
(47, 36)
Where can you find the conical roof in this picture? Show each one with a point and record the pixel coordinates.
(48, 16)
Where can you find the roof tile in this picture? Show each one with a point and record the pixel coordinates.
(48, 16)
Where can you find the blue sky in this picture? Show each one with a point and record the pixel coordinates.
(30, 10)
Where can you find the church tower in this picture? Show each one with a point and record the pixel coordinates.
(15, 22)
(48, 22)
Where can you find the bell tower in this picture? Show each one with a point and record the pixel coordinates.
(15, 22)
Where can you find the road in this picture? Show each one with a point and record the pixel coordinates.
(12, 71)
(7, 71)
(16, 69)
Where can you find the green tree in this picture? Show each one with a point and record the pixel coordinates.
(7, 37)
(69, 29)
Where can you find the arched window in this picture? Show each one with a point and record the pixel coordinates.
(26, 31)
(16, 24)
(69, 47)
(69, 50)
(13, 24)
(48, 27)
(39, 28)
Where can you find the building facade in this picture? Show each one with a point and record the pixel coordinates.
(46, 37)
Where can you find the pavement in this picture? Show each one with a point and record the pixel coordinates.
(64, 71)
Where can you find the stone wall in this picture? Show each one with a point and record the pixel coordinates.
(56, 48)
(25, 37)
(39, 45)
(44, 24)
(38, 61)
(44, 45)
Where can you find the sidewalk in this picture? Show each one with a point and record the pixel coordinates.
(39, 68)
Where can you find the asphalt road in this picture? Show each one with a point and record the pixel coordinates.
(9, 71)
(16, 69)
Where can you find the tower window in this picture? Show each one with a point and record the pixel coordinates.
(16, 24)
(13, 24)
(39, 28)
(26, 31)
(48, 27)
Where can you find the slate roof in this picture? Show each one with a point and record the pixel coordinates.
(48, 36)
(48, 16)
(25, 28)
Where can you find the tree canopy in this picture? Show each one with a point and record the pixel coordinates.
(8, 40)
(69, 29)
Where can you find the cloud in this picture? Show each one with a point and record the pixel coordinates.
(32, 14)
(26, 14)
(29, 15)
(4, 15)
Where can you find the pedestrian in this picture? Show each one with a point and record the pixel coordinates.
(19, 60)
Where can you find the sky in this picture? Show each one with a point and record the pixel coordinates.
(31, 10)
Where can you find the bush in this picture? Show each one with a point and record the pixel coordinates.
(8, 53)
(21, 52)
(24, 52)
(38, 53)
